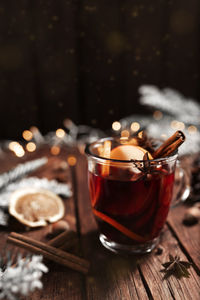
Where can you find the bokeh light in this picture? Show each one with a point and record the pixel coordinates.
(27, 135)
(192, 129)
(17, 149)
(116, 126)
(125, 133)
(12, 145)
(177, 125)
(157, 115)
(71, 160)
(60, 133)
(55, 150)
(31, 147)
(135, 126)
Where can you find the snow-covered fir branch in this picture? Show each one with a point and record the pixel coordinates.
(172, 102)
(22, 278)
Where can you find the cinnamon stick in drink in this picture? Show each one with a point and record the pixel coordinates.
(170, 145)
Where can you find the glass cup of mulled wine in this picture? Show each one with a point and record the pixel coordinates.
(131, 193)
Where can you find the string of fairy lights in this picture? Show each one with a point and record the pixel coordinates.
(33, 138)
(157, 116)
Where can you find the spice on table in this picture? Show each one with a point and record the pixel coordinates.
(192, 215)
(49, 252)
(176, 267)
(56, 228)
(65, 240)
(158, 251)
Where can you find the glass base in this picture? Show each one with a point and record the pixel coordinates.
(128, 249)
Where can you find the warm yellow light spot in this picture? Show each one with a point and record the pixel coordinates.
(55, 150)
(163, 136)
(60, 133)
(19, 152)
(177, 125)
(116, 126)
(174, 124)
(17, 149)
(31, 147)
(125, 134)
(71, 160)
(13, 145)
(140, 134)
(27, 135)
(192, 129)
(181, 125)
(135, 126)
(157, 115)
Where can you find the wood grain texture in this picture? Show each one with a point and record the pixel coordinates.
(56, 60)
(171, 288)
(144, 30)
(86, 59)
(188, 236)
(112, 276)
(59, 282)
(17, 90)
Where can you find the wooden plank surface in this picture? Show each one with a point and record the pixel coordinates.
(171, 288)
(17, 89)
(60, 282)
(56, 61)
(143, 28)
(146, 269)
(188, 236)
(111, 276)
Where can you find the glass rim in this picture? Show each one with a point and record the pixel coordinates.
(100, 158)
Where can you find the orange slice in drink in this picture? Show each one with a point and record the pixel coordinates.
(129, 152)
(122, 152)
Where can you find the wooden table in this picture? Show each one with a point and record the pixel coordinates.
(111, 276)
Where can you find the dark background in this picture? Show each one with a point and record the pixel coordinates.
(86, 59)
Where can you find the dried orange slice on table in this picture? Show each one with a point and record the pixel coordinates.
(36, 207)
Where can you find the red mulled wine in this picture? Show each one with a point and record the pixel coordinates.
(131, 208)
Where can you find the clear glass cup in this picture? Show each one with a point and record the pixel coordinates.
(130, 199)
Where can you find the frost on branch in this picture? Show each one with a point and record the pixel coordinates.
(171, 102)
(22, 278)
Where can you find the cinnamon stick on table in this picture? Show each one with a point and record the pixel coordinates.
(170, 145)
(66, 240)
(61, 257)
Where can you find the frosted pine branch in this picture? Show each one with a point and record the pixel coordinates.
(171, 102)
(22, 278)
(21, 170)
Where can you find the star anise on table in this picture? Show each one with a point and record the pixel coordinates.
(176, 267)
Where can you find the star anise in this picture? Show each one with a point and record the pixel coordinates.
(145, 168)
(176, 267)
